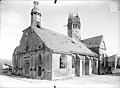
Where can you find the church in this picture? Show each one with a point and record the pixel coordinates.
(45, 54)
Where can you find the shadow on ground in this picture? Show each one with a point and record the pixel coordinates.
(115, 73)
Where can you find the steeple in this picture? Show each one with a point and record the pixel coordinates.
(36, 15)
(74, 26)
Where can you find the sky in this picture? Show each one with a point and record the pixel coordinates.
(98, 17)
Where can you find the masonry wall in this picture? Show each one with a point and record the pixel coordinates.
(101, 61)
(88, 65)
(94, 65)
(80, 65)
(32, 58)
(61, 73)
(34, 64)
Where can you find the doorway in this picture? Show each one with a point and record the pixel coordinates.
(39, 71)
(27, 64)
(40, 64)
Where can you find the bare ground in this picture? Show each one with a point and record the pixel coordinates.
(92, 81)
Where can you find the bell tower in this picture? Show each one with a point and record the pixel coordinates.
(36, 15)
(74, 26)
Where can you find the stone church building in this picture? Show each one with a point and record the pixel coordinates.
(45, 54)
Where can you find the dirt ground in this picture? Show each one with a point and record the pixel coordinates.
(92, 81)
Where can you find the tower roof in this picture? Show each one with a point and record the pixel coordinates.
(35, 8)
(74, 17)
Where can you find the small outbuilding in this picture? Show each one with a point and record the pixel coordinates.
(112, 61)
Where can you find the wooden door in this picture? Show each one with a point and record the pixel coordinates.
(27, 64)
(39, 71)
(40, 67)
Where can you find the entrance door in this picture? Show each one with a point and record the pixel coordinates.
(40, 64)
(39, 71)
(27, 64)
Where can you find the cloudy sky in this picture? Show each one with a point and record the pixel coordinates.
(98, 17)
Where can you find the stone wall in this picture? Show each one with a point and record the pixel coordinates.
(27, 55)
(61, 73)
(94, 65)
(101, 61)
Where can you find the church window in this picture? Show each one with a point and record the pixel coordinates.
(74, 25)
(39, 47)
(39, 59)
(34, 69)
(69, 25)
(30, 69)
(35, 13)
(27, 47)
(78, 26)
(63, 62)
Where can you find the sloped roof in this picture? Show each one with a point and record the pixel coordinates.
(61, 43)
(113, 58)
(93, 42)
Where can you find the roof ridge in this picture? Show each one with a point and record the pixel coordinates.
(92, 37)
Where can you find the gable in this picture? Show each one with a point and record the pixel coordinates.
(102, 44)
(30, 41)
(93, 42)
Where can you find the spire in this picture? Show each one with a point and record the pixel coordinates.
(36, 15)
(70, 15)
(76, 12)
(35, 3)
(36, 7)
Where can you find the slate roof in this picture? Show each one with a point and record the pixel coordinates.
(113, 57)
(61, 43)
(93, 42)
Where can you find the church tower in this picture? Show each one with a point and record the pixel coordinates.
(36, 15)
(74, 26)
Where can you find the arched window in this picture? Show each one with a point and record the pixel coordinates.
(63, 61)
(39, 59)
